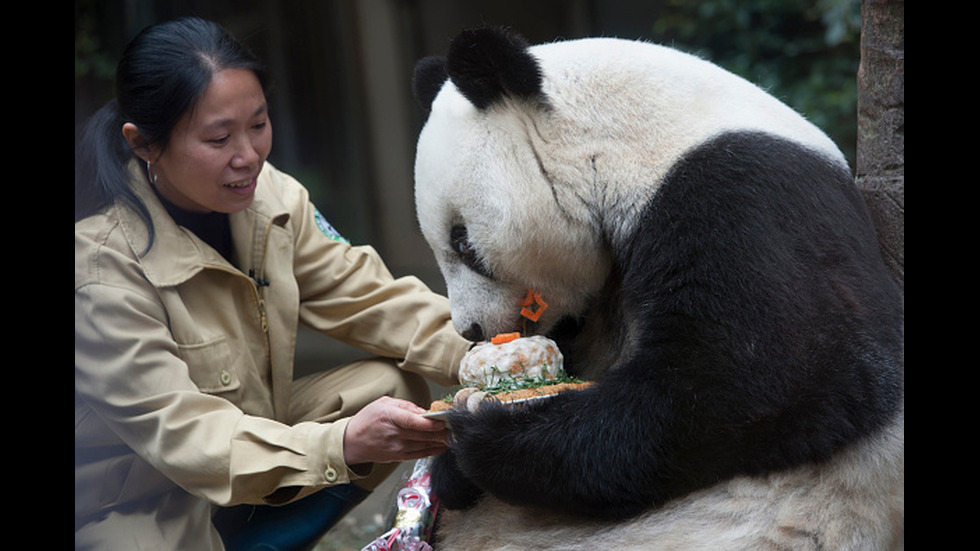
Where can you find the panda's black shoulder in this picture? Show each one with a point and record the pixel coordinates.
(749, 209)
(754, 188)
(756, 262)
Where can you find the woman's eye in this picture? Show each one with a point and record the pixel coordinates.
(460, 243)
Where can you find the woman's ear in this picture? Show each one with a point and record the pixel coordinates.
(136, 142)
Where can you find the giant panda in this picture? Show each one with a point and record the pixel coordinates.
(705, 258)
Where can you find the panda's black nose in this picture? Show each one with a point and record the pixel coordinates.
(474, 333)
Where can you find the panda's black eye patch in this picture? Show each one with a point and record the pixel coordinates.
(459, 241)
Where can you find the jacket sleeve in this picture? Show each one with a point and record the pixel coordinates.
(348, 293)
(129, 372)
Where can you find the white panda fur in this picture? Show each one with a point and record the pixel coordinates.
(552, 158)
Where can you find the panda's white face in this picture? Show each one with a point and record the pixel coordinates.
(522, 195)
(493, 222)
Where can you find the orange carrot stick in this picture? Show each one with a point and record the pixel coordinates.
(532, 296)
(505, 337)
(528, 298)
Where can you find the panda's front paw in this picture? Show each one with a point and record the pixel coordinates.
(449, 485)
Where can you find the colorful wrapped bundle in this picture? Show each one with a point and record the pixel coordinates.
(414, 515)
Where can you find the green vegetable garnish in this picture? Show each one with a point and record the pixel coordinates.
(508, 384)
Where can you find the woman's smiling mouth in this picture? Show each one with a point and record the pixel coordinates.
(243, 186)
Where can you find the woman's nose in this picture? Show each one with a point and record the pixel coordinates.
(247, 155)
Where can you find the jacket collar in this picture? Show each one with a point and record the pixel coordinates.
(177, 254)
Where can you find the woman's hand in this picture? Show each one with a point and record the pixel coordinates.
(389, 429)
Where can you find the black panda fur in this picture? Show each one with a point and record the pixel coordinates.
(760, 331)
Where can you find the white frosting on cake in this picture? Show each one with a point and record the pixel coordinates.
(526, 357)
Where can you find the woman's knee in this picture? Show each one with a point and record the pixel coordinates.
(343, 391)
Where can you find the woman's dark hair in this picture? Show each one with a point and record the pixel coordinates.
(163, 72)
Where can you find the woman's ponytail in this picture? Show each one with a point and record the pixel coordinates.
(101, 160)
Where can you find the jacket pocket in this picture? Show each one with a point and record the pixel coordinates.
(212, 366)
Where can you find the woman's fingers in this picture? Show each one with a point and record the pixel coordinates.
(392, 430)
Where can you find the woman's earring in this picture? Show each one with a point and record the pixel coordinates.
(150, 173)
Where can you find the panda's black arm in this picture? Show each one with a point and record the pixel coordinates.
(449, 486)
(584, 452)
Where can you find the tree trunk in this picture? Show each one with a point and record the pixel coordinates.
(880, 170)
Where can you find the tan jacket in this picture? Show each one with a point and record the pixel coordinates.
(183, 364)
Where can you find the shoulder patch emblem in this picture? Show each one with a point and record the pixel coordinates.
(326, 228)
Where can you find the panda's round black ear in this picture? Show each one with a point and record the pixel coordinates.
(488, 64)
(430, 74)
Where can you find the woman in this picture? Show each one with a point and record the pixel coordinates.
(194, 261)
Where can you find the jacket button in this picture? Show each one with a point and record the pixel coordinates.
(330, 474)
(225, 377)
